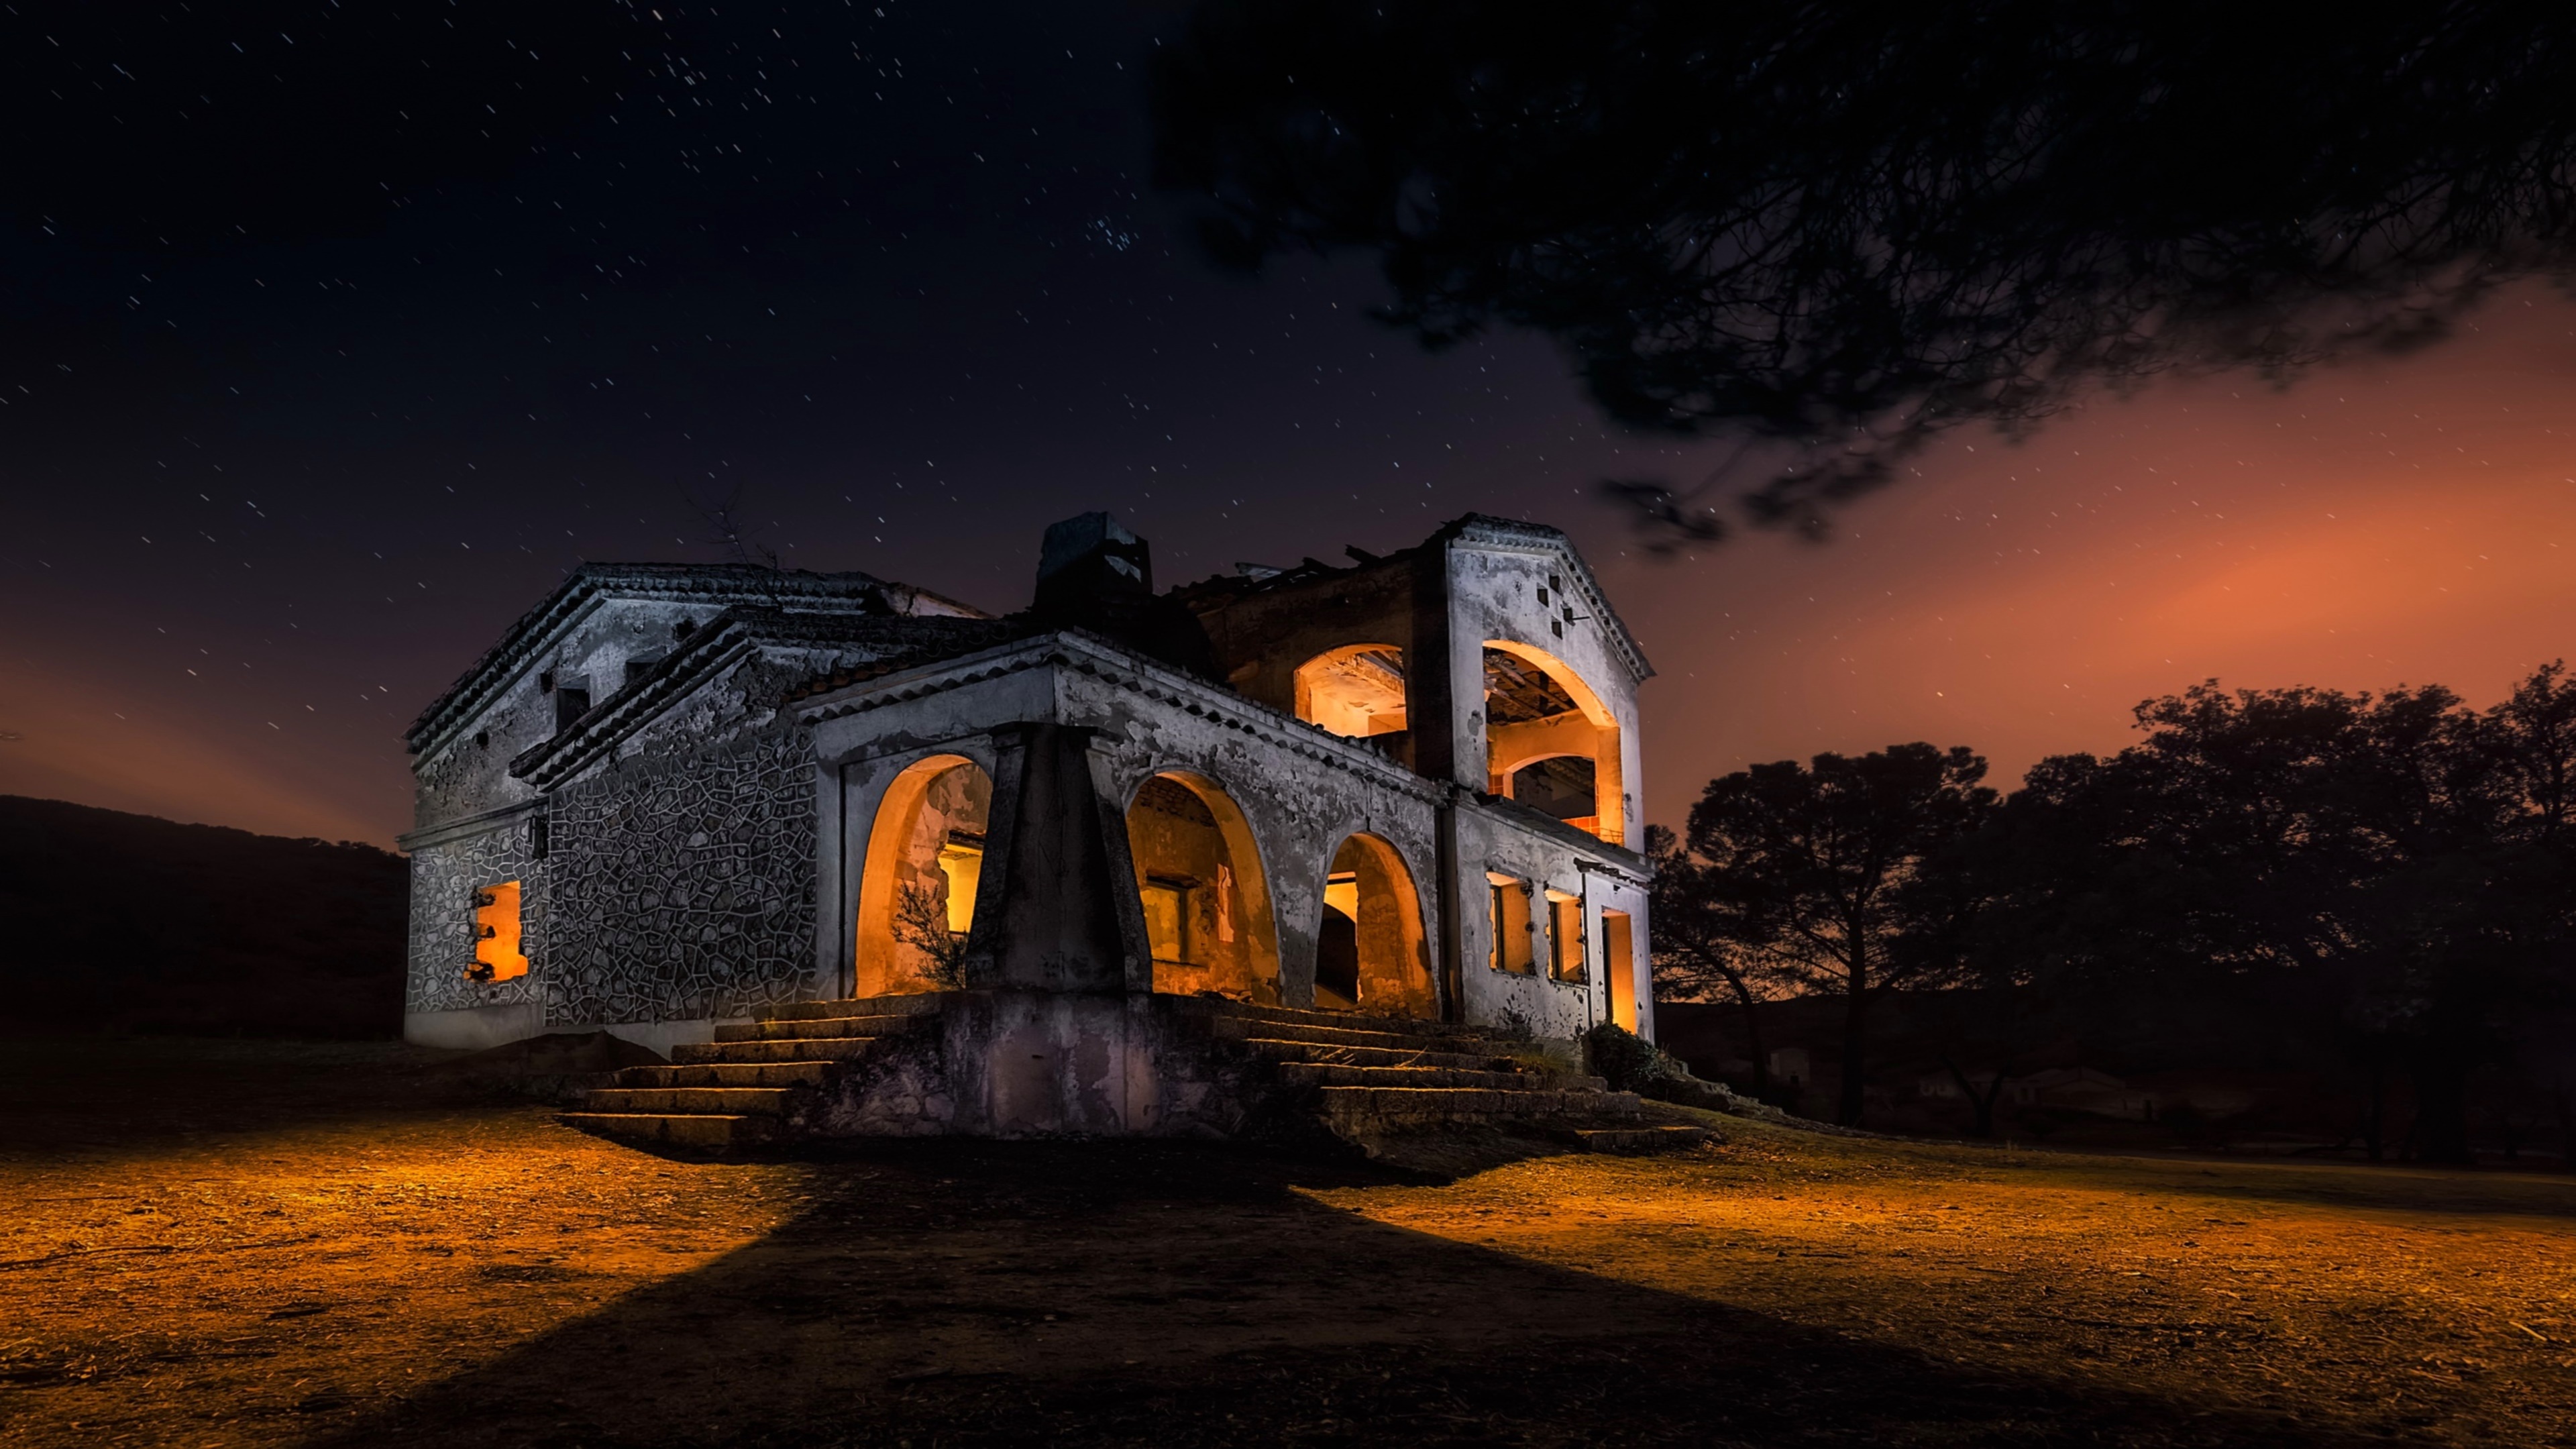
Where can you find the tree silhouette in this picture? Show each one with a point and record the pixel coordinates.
(1813, 872)
(2385, 882)
(1835, 230)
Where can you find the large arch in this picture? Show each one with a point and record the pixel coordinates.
(1205, 896)
(920, 878)
(1355, 691)
(1370, 951)
(1543, 725)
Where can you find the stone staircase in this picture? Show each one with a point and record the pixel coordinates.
(1364, 1079)
(742, 1089)
(1371, 1078)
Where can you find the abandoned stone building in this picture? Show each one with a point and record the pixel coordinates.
(1359, 839)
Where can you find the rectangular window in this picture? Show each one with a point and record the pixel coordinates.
(1167, 912)
(497, 953)
(961, 861)
(1510, 920)
(1564, 936)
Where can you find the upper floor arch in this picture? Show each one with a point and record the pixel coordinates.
(1551, 741)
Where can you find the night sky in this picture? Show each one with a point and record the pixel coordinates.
(334, 340)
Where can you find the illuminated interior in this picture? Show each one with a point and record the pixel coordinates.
(1357, 690)
(924, 864)
(1550, 743)
(1564, 936)
(1206, 902)
(497, 949)
(1370, 954)
(1619, 967)
(1508, 922)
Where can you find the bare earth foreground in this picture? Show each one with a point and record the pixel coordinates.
(206, 1244)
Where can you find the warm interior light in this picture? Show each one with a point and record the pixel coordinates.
(1357, 690)
(1198, 877)
(1564, 936)
(1508, 915)
(497, 953)
(1550, 743)
(961, 864)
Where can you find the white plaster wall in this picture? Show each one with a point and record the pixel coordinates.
(1493, 594)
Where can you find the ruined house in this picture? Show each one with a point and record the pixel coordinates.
(1360, 840)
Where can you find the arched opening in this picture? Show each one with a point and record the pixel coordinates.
(917, 887)
(1206, 901)
(1355, 691)
(1370, 954)
(1550, 743)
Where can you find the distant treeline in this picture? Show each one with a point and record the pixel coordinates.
(126, 923)
(2379, 890)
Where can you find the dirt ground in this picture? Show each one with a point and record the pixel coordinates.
(204, 1244)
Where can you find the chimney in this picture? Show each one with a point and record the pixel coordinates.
(1091, 571)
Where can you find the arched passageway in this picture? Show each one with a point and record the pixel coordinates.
(1370, 954)
(1550, 743)
(1206, 901)
(919, 881)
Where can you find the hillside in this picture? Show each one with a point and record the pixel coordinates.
(127, 923)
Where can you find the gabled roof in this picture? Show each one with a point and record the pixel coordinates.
(1487, 531)
(729, 637)
(722, 585)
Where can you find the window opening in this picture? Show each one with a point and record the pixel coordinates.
(498, 953)
(1564, 936)
(961, 869)
(1337, 947)
(1167, 917)
(1509, 917)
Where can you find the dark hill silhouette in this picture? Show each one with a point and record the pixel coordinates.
(129, 923)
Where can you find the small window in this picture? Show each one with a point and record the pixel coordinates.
(497, 949)
(546, 682)
(684, 628)
(572, 701)
(1564, 936)
(1509, 905)
(1167, 914)
(961, 862)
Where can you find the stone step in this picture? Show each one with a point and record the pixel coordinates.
(879, 1024)
(1236, 1028)
(1357, 1056)
(791, 1049)
(1638, 1140)
(1321, 1074)
(707, 1101)
(924, 1003)
(1307, 1016)
(728, 1074)
(670, 1130)
(1364, 1108)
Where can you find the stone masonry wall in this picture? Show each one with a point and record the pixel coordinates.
(682, 887)
(444, 878)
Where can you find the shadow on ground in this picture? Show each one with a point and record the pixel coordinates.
(1081, 1294)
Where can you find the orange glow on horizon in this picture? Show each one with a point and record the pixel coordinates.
(2411, 521)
